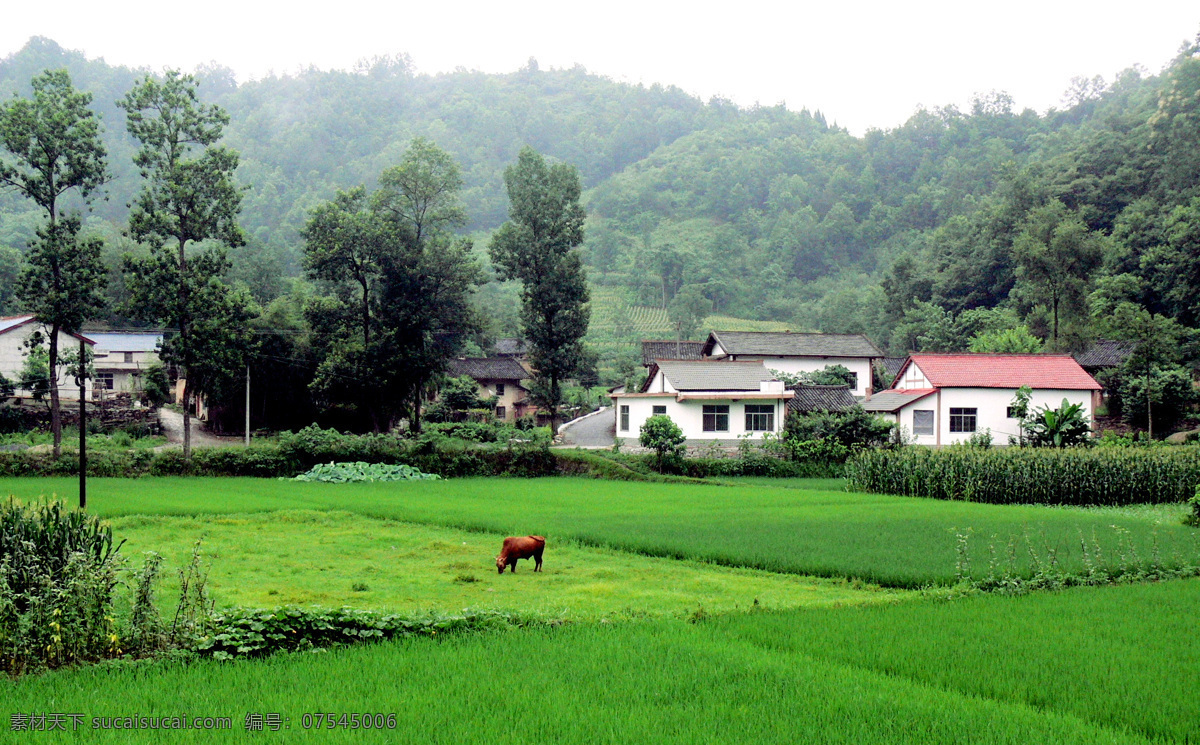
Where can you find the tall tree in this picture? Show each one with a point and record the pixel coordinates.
(53, 142)
(188, 195)
(1156, 339)
(538, 246)
(404, 284)
(1056, 256)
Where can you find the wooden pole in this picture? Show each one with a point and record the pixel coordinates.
(247, 406)
(82, 380)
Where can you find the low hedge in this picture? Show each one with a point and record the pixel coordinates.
(1067, 476)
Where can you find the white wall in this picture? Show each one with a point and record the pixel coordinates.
(912, 378)
(689, 415)
(991, 405)
(12, 358)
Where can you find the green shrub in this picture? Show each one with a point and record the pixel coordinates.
(1073, 476)
(57, 576)
(1193, 517)
(664, 437)
(244, 632)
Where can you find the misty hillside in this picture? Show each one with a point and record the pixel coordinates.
(767, 213)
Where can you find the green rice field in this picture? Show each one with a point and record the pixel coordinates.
(753, 612)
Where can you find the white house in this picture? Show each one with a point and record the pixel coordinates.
(940, 399)
(122, 358)
(14, 331)
(710, 401)
(796, 353)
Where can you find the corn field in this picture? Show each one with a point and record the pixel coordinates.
(1095, 476)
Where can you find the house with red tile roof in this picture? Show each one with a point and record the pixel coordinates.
(941, 399)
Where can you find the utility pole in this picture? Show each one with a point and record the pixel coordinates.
(247, 405)
(82, 381)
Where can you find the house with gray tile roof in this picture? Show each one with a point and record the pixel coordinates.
(810, 398)
(500, 377)
(671, 350)
(710, 400)
(796, 353)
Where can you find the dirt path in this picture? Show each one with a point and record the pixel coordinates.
(172, 425)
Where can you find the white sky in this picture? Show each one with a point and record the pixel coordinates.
(864, 64)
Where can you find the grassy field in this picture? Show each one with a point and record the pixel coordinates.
(893, 541)
(814, 661)
(1114, 665)
(335, 558)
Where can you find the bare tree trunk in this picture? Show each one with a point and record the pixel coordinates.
(187, 419)
(55, 405)
(1149, 419)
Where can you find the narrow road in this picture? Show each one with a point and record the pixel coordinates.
(595, 431)
(172, 425)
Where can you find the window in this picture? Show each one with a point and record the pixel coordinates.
(624, 418)
(962, 420)
(500, 412)
(922, 421)
(104, 381)
(129, 356)
(853, 381)
(499, 389)
(1011, 413)
(660, 411)
(760, 417)
(716, 418)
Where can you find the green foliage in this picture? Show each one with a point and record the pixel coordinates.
(538, 246)
(980, 440)
(57, 575)
(1193, 517)
(462, 394)
(852, 428)
(156, 385)
(1097, 476)
(240, 632)
(1017, 340)
(663, 436)
(35, 373)
(347, 473)
(1063, 427)
(1171, 392)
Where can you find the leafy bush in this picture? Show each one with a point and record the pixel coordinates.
(1193, 518)
(345, 473)
(1100, 476)
(1065, 426)
(57, 576)
(664, 437)
(849, 428)
(243, 632)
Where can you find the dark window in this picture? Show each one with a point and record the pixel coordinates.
(500, 412)
(104, 380)
(624, 418)
(853, 381)
(716, 418)
(922, 421)
(660, 411)
(760, 417)
(1011, 413)
(129, 356)
(499, 389)
(962, 420)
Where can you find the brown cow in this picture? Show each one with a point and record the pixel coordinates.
(521, 548)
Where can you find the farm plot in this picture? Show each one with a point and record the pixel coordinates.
(893, 541)
(797, 676)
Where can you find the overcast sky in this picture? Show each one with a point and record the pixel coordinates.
(864, 64)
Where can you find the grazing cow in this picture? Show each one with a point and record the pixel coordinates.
(521, 548)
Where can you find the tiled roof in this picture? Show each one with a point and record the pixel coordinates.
(891, 367)
(821, 398)
(787, 344)
(11, 322)
(671, 350)
(1106, 353)
(144, 341)
(510, 347)
(892, 401)
(713, 376)
(487, 368)
(1053, 371)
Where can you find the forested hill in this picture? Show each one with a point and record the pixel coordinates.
(759, 212)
